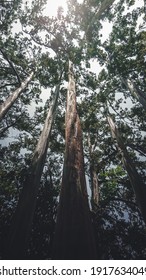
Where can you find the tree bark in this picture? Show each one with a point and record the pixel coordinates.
(23, 216)
(74, 237)
(94, 178)
(94, 188)
(136, 181)
(4, 108)
(135, 92)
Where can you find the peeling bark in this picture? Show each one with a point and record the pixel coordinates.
(138, 185)
(23, 216)
(6, 105)
(73, 236)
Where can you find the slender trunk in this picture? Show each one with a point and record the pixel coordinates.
(23, 216)
(73, 236)
(6, 105)
(135, 92)
(95, 188)
(138, 186)
(94, 178)
(11, 65)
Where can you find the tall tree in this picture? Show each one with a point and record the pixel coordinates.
(124, 51)
(74, 236)
(75, 35)
(22, 220)
(136, 181)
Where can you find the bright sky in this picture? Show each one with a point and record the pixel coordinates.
(52, 6)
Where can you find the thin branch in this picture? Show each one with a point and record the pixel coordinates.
(136, 149)
(2, 131)
(121, 117)
(6, 85)
(11, 65)
(41, 21)
(107, 201)
(37, 41)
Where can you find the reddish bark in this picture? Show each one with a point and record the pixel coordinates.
(73, 237)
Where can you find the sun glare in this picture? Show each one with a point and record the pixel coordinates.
(52, 6)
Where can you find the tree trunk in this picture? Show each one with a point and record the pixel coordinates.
(138, 186)
(23, 216)
(6, 105)
(135, 92)
(73, 236)
(95, 188)
(94, 178)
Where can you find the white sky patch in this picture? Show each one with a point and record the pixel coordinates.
(52, 7)
(106, 30)
(16, 27)
(95, 66)
(137, 4)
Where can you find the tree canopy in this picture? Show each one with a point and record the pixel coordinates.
(38, 129)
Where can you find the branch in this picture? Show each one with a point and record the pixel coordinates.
(6, 85)
(11, 65)
(38, 42)
(136, 149)
(42, 23)
(107, 201)
(104, 6)
(121, 117)
(2, 131)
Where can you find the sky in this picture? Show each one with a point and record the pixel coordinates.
(52, 6)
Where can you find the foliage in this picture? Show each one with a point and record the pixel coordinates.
(45, 44)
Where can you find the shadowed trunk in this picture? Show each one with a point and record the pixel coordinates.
(6, 105)
(94, 188)
(73, 236)
(23, 216)
(138, 186)
(93, 178)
